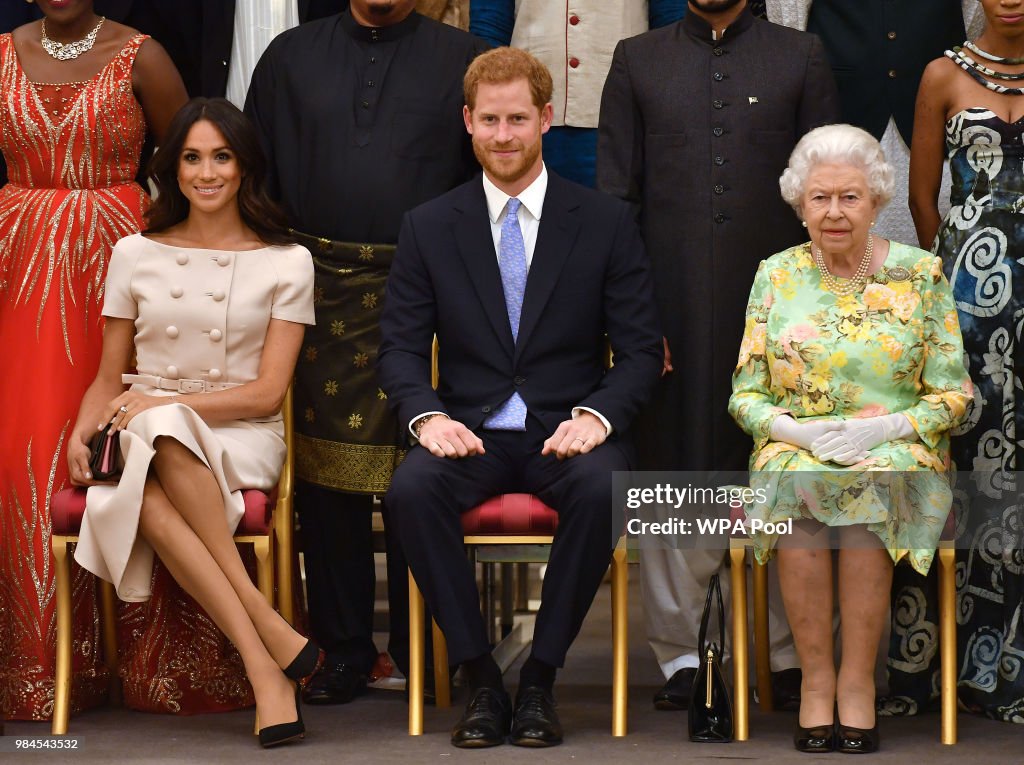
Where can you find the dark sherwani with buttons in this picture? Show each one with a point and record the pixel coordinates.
(696, 133)
(359, 125)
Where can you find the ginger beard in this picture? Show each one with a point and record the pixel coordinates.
(506, 169)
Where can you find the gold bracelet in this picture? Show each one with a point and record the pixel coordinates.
(417, 427)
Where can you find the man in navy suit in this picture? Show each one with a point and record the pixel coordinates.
(521, 275)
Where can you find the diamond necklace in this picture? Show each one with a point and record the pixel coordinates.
(66, 51)
(853, 284)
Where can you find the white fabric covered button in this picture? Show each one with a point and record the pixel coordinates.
(182, 258)
(172, 332)
(171, 372)
(176, 291)
(218, 295)
(215, 335)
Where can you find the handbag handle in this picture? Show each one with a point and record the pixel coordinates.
(714, 592)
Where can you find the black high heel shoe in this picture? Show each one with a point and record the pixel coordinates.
(305, 663)
(816, 740)
(858, 740)
(273, 735)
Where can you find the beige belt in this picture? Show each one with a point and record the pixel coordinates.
(181, 386)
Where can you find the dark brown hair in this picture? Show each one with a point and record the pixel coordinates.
(259, 212)
(501, 65)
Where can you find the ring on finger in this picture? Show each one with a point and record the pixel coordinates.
(123, 409)
(578, 439)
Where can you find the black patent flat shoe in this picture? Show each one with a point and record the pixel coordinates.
(857, 740)
(816, 740)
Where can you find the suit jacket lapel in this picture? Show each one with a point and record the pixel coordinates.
(555, 238)
(476, 248)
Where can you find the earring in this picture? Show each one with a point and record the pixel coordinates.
(803, 223)
(873, 223)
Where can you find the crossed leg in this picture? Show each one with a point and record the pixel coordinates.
(183, 519)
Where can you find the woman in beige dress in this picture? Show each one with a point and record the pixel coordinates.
(213, 300)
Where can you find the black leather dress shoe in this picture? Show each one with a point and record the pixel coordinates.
(675, 693)
(820, 738)
(535, 722)
(486, 720)
(334, 684)
(786, 689)
(857, 740)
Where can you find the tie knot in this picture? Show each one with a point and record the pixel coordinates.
(513, 206)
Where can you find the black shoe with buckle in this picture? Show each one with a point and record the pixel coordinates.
(334, 684)
(857, 740)
(535, 722)
(486, 720)
(675, 693)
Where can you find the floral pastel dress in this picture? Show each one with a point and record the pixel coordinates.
(894, 347)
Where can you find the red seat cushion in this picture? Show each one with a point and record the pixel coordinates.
(509, 514)
(68, 506)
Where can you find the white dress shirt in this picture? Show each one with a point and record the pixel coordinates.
(530, 211)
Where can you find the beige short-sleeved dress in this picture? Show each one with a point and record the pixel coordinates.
(199, 315)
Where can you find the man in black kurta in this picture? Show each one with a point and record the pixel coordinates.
(360, 123)
(697, 123)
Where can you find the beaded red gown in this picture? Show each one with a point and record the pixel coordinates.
(72, 153)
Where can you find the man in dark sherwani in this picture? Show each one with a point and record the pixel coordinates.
(360, 116)
(697, 123)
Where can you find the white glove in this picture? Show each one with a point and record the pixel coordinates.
(852, 442)
(786, 429)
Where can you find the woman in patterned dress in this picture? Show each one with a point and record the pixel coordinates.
(76, 97)
(970, 109)
(849, 377)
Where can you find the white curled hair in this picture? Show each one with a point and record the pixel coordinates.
(840, 144)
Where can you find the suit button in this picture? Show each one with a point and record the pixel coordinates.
(719, 189)
(718, 76)
(719, 218)
(719, 160)
(574, 20)
(717, 51)
(171, 372)
(182, 259)
(176, 291)
(717, 132)
(892, 74)
(172, 332)
(218, 295)
(574, 62)
(717, 104)
(224, 259)
(215, 335)
(485, 409)
(891, 35)
(214, 374)
(519, 380)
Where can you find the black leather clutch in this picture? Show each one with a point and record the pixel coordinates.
(105, 455)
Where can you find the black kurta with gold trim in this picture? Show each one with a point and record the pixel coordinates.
(359, 124)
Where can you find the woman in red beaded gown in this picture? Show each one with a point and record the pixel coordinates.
(76, 96)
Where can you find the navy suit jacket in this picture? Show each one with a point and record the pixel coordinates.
(589, 278)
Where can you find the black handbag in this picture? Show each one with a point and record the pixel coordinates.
(105, 455)
(710, 711)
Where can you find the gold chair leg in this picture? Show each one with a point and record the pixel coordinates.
(264, 572)
(741, 690)
(62, 676)
(284, 534)
(947, 640)
(762, 641)
(620, 640)
(108, 623)
(414, 683)
(442, 683)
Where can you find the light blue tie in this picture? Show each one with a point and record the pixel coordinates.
(512, 262)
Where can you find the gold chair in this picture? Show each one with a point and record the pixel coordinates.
(947, 632)
(511, 521)
(267, 522)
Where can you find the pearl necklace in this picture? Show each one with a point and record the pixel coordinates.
(853, 284)
(66, 51)
(989, 57)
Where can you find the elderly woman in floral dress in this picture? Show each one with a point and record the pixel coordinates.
(849, 378)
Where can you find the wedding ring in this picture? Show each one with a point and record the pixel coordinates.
(124, 409)
(578, 439)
